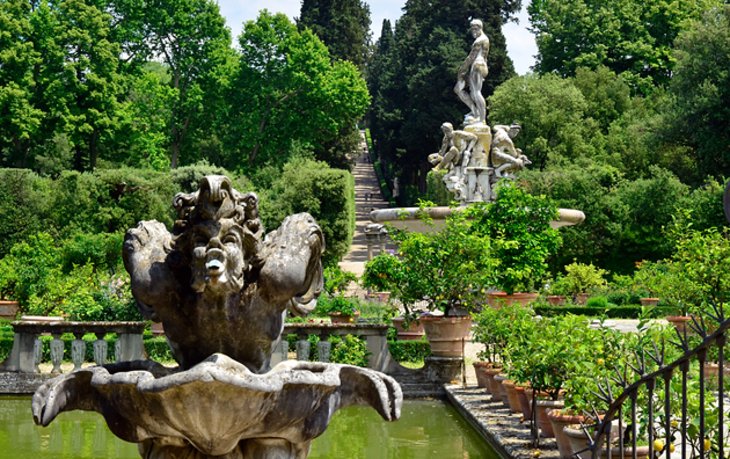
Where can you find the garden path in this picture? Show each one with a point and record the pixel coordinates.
(367, 198)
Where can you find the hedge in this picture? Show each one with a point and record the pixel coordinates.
(612, 312)
(409, 351)
(327, 194)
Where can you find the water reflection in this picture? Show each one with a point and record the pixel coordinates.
(426, 429)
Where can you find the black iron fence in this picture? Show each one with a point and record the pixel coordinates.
(659, 408)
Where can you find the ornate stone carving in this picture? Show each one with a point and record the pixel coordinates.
(218, 408)
(222, 291)
(476, 158)
(214, 283)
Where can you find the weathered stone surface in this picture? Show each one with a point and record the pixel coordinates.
(504, 430)
(222, 292)
(214, 283)
(218, 407)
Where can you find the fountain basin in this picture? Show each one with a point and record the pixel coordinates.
(410, 217)
(218, 407)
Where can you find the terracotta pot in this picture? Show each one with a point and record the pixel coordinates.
(499, 299)
(542, 407)
(447, 334)
(581, 298)
(681, 323)
(498, 393)
(157, 328)
(525, 402)
(559, 419)
(649, 301)
(414, 331)
(513, 402)
(579, 442)
(9, 309)
(339, 318)
(711, 371)
(555, 300)
(480, 370)
(492, 384)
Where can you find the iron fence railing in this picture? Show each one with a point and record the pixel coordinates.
(672, 409)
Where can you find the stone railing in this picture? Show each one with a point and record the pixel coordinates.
(28, 348)
(374, 334)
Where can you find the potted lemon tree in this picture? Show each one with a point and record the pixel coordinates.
(448, 270)
(521, 239)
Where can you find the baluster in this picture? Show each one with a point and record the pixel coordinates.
(685, 369)
(721, 394)
(37, 354)
(303, 349)
(280, 352)
(100, 349)
(78, 350)
(701, 356)
(56, 353)
(324, 349)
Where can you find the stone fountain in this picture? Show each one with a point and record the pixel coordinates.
(222, 291)
(473, 159)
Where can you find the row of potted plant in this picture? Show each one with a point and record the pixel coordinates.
(562, 361)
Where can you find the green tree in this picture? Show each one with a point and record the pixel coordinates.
(552, 113)
(287, 92)
(19, 118)
(607, 95)
(342, 25)
(191, 39)
(701, 87)
(631, 37)
(90, 78)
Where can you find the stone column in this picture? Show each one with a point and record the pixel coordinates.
(280, 353)
(382, 238)
(303, 347)
(78, 350)
(372, 236)
(56, 353)
(324, 349)
(100, 349)
(129, 346)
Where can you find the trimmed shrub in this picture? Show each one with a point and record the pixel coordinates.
(327, 194)
(409, 351)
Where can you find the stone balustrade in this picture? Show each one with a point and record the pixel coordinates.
(374, 334)
(27, 350)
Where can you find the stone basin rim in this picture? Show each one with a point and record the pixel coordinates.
(566, 217)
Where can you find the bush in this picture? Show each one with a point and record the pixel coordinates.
(24, 200)
(327, 194)
(349, 349)
(409, 351)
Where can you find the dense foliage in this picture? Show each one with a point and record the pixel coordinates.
(633, 38)
(342, 25)
(102, 84)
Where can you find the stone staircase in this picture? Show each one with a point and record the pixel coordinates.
(367, 198)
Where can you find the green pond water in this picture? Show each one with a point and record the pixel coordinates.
(427, 429)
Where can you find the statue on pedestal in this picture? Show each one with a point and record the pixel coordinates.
(472, 73)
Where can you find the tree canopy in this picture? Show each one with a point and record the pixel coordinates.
(633, 38)
(286, 92)
(342, 25)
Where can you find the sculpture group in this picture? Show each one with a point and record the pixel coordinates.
(222, 291)
(477, 156)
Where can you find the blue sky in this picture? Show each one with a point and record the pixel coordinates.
(520, 43)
